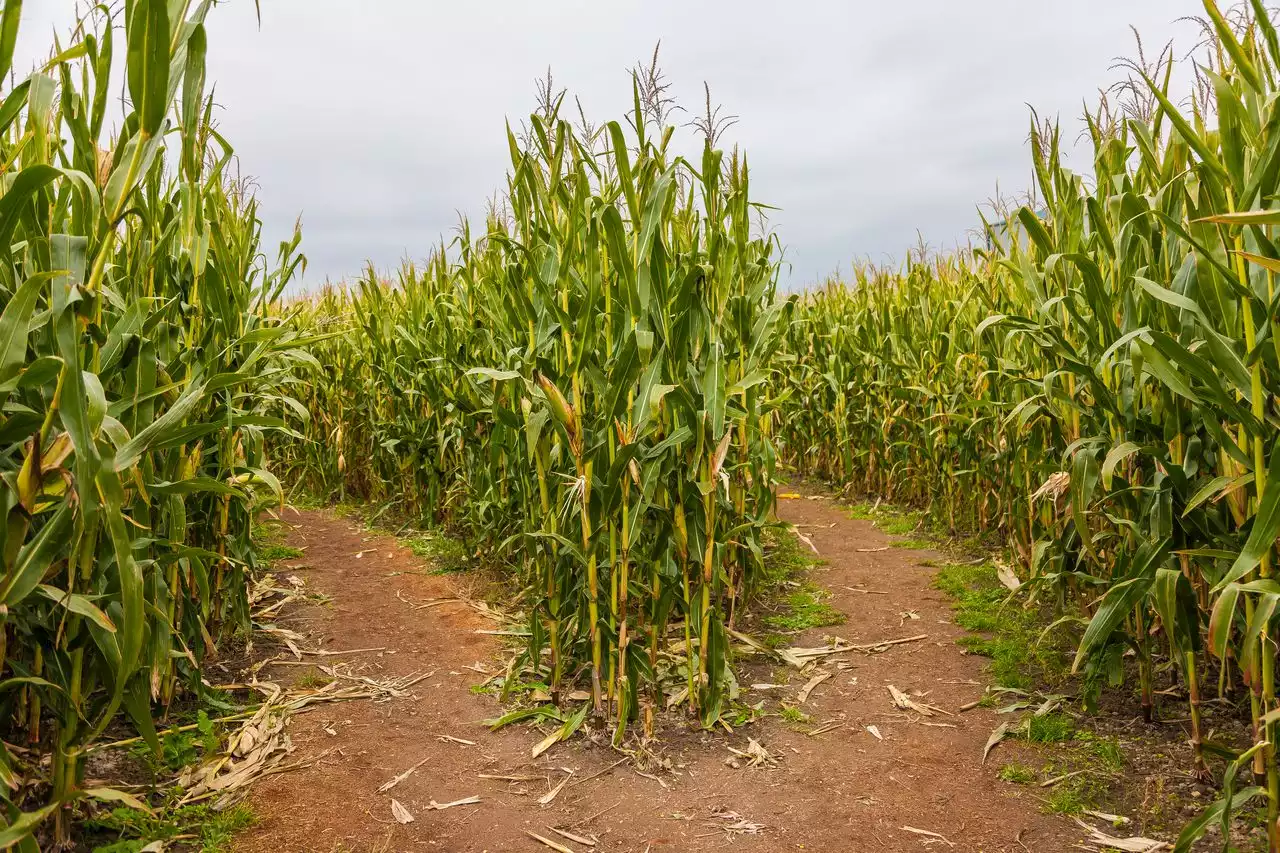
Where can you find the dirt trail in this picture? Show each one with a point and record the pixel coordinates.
(839, 791)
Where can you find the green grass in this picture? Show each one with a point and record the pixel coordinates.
(313, 681)
(793, 716)
(206, 830)
(274, 553)
(890, 519)
(915, 544)
(798, 603)
(1018, 774)
(898, 523)
(786, 558)
(446, 555)
(1070, 797)
(1050, 728)
(1104, 749)
(1007, 634)
(803, 609)
(861, 511)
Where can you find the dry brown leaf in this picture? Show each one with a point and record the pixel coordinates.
(400, 813)
(803, 695)
(590, 842)
(457, 740)
(1008, 578)
(387, 786)
(465, 801)
(559, 848)
(996, 736)
(906, 703)
(936, 836)
(546, 798)
(1134, 844)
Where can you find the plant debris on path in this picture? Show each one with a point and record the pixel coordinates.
(860, 774)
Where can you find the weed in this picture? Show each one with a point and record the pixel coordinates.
(1018, 774)
(898, 524)
(313, 680)
(793, 715)
(1005, 633)
(180, 748)
(212, 830)
(1071, 796)
(913, 544)
(274, 553)
(803, 609)
(1105, 749)
(446, 555)
(785, 558)
(860, 512)
(1050, 728)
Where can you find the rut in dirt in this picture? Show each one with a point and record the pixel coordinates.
(841, 789)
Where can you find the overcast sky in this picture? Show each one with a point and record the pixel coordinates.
(865, 121)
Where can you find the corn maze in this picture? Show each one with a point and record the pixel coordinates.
(600, 391)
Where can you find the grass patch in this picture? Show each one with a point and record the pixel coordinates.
(913, 544)
(785, 558)
(445, 554)
(803, 609)
(203, 828)
(890, 519)
(861, 511)
(1018, 774)
(898, 523)
(273, 553)
(1007, 634)
(1104, 749)
(793, 716)
(1051, 728)
(797, 605)
(313, 680)
(1070, 797)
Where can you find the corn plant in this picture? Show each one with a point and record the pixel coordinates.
(141, 365)
(580, 393)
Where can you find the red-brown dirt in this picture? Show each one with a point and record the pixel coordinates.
(841, 790)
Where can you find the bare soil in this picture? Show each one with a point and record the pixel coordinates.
(840, 790)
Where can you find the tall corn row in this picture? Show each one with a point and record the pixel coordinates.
(580, 393)
(140, 365)
(1098, 386)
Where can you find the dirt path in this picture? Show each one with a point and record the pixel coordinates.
(842, 790)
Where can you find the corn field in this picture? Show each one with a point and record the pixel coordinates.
(1098, 385)
(598, 392)
(141, 361)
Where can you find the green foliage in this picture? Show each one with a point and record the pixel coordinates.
(1094, 385)
(446, 554)
(1018, 774)
(1003, 630)
(581, 393)
(313, 680)
(1070, 797)
(1100, 749)
(212, 831)
(793, 716)
(144, 360)
(803, 609)
(1050, 728)
(274, 553)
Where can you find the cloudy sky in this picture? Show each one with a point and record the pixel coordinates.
(379, 122)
